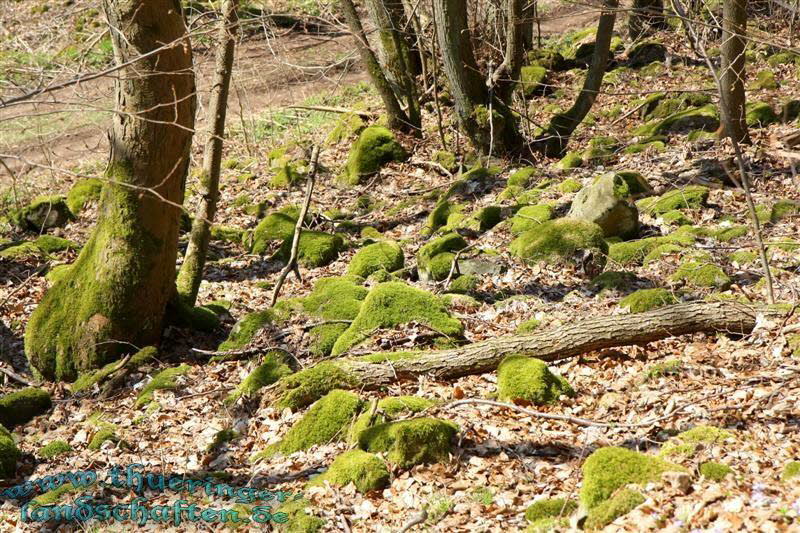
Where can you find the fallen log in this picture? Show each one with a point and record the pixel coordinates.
(579, 337)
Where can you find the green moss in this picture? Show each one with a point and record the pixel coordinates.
(531, 79)
(765, 80)
(729, 233)
(610, 468)
(82, 193)
(375, 147)
(550, 508)
(783, 209)
(366, 471)
(463, 284)
(50, 244)
(164, 380)
(220, 438)
(22, 251)
(638, 148)
(88, 379)
(635, 252)
(613, 280)
(41, 247)
(569, 161)
(348, 126)
(530, 217)
(548, 525)
(529, 379)
(714, 471)
(286, 177)
(54, 496)
(743, 257)
(244, 331)
(559, 240)
(434, 259)
(793, 342)
(528, 326)
(760, 114)
(315, 249)
(300, 520)
(268, 372)
(21, 406)
(9, 454)
(675, 218)
(647, 299)
(383, 255)
(705, 118)
(702, 274)
(197, 318)
(325, 421)
(227, 234)
(686, 444)
(445, 158)
(42, 213)
(277, 226)
(103, 435)
(411, 442)
(671, 367)
(790, 471)
(620, 504)
(53, 449)
(397, 405)
(569, 186)
(689, 197)
(394, 303)
(522, 177)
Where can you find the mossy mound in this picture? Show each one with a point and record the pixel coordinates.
(411, 442)
(703, 275)
(620, 504)
(569, 186)
(199, 318)
(349, 125)
(268, 372)
(463, 284)
(366, 471)
(765, 80)
(728, 233)
(86, 380)
(445, 158)
(82, 193)
(388, 409)
(299, 519)
(325, 421)
(383, 255)
(689, 197)
(227, 234)
(782, 209)
(9, 454)
(635, 252)
(435, 259)
(22, 406)
(671, 367)
(375, 147)
(287, 175)
(644, 53)
(103, 435)
(647, 299)
(790, 471)
(649, 146)
(658, 105)
(394, 303)
(244, 331)
(277, 226)
(613, 280)
(714, 471)
(530, 217)
(529, 379)
(337, 298)
(760, 115)
(528, 326)
(43, 246)
(44, 212)
(601, 150)
(550, 508)
(569, 161)
(53, 449)
(675, 218)
(164, 380)
(688, 443)
(522, 177)
(610, 468)
(306, 386)
(704, 118)
(532, 79)
(315, 249)
(560, 240)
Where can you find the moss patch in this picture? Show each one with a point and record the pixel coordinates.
(647, 299)
(375, 147)
(268, 372)
(529, 379)
(528, 326)
(88, 379)
(9, 454)
(714, 471)
(383, 255)
(613, 280)
(411, 442)
(550, 508)
(559, 240)
(790, 471)
(101, 436)
(21, 406)
(673, 366)
(620, 504)
(164, 380)
(569, 161)
(315, 249)
(307, 386)
(43, 212)
(388, 409)
(686, 444)
(530, 217)
(366, 471)
(434, 259)
(82, 193)
(760, 114)
(53, 449)
(702, 274)
(531, 79)
(244, 331)
(463, 284)
(689, 197)
(277, 226)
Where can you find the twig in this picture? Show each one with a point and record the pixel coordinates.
(415, 520)
(14, 375)
(328, 109)
(325, 322)
(292, 263)
(631, 112)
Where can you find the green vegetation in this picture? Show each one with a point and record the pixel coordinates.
(647, 299)
(88, 379)
(673, 366)
(410, 442)
(550, 508)
(383, 255)
(790, 471)
(714, 471)
(689, 197)
(375, 147)
(82, 193)
(559, 240)
(529, 379)
(103, 435)
(434, 259)
(164, 380)
(53, 449)
(686, 444)
(9, 454)
(245, 330)
(315, 249)
(530, 217)
(268, 372)
(702, 274)
(20, 407)
(366, 471)
(620, 504)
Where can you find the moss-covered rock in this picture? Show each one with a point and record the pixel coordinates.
(704, 118)
(21, 406)
(702, 274)
(82, 193)
(277, 226)
(714, 471)
(103, 435)
(532, 79)
(647, 299)
(560, 240)
(383, 255)
(375, 147)
(366, 471)
(299, 518)
(649, 146)
(530, 217)
(349, 125)
(268, 372)
(613, 280)
(303, 388)
(435, 258)
(569, 186)
(550, 508)
(621, 503)
(760, 115)
(337, 298)
(688, 443)
(411, 442)
(445, 158)
(392, 304)
(689, 197)
(43, 246)
(44, 212)
(87, 379)
(601, 150)
(463, 284)
(9, 454)
(675, 218)
(315, 249)
(607, 203)
(522, 177)
(245, 330)
(610, 468)
(569, 161)
(53, 449)
(635, 252)
(326, 421)
(164, 380)
(388, 409)
(765, 80)
(790, 471)
(529, 379)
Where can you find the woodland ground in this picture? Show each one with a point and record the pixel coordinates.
(504, 460)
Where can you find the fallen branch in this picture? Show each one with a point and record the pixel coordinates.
(328, 109)
(15, 376)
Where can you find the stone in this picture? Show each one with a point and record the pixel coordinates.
(607, 204)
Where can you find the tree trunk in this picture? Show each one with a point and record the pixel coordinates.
(115, 294)
(191, 272)
(734, 28)
(645, 16)
(573, 339)
(563, 125)
(388, 16)
(398, 119)
(488, 122)
(507, 75)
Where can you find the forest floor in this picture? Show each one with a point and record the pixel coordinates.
(504, 460)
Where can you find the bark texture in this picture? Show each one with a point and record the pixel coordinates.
(507, 75)
(115, 294)
(191, 272)
(734, 29)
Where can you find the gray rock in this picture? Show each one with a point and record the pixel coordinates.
(43, 213)
(607, 204)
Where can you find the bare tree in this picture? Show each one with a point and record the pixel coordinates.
(734, 27)
(645, 16)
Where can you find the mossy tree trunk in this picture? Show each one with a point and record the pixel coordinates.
(114, 296)
(191, 272)
(563, 124)
(398, 119)
(398, 61)
(487, 121)
(734, 26)
(646, 16)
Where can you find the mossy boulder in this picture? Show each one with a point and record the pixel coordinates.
(167, 379)
(382, 255)
(315, 249)
(601, 150)
(388, 409)
(675, 218)
(613, 280)
(765, 80)
(245, 330)
(522, 177)
(530, 217)
(42, 247)
(268, 372)
(435, 258)
(375, 147)
(54, 449)
(714, 471)
(22, 406)
(621, 503)
(337, 298)
(569, 161)
(82, 193)
(325, 421)
(790, 471)
(704, 118)
(277, 226)
(550, 508)
(287, 176)
(610, 468)
(101, 436)
(366, 471)
(634, 252)
(760, 114)
(659, 106)
(562, 240)
(528, 379)
(607, 203)
(349, 125)
(689, 197)
(395, 303)
(688, 443)
(646, 52)
(702, 274)
(647, 299)
(411, 442)
(463, 284)
(9, 454)
(299, 518)
(532, 80)
(44, 212)
(569, 186)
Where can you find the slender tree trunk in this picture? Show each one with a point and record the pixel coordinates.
(487, 121)
(563, 125)
(645, 16)
(115, 294)
(191, 272)
(734, 29)
(388, 16)
(507, 75)
(398, 119)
